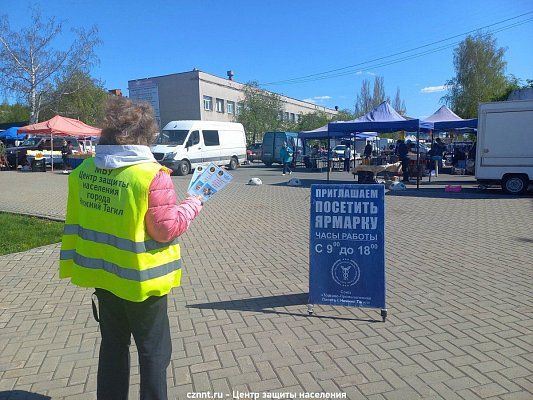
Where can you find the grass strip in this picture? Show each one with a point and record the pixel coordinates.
(23, 232)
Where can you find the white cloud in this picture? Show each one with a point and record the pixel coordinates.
(361, 72)
(434, 89)
(317, 99)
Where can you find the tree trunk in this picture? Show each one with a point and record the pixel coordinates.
(34, 111)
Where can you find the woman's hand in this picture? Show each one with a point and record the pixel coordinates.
(198, 197)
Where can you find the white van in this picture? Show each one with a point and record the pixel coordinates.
(184, 145)
(504, 152)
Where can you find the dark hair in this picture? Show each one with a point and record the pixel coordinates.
(127, 122)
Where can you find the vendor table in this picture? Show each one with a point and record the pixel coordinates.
(376, 169)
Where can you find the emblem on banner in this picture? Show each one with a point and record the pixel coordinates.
(345, 272)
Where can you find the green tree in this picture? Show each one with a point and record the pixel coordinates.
(364, 99)
(14, 113)
(479, 74)
(379, 92)
(317, 119)
(29, 64)
(310, 121)
(344, 115)
(398, 104)
(367, 99)
(80, 97)
(260, 112)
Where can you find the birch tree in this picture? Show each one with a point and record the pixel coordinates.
(30, 65)
(479, 74)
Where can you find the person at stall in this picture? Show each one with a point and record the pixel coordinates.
(66, 151)
(402, 152)
(315, 153)
(347, 157)
(437, 150)
(368, 150)
(472, 152)
(126, 247)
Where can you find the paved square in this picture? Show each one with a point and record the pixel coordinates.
(459, 294)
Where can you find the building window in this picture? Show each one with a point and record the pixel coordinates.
(230, 107)
(286, 116)
(220, 105)
(208, 103)
(280, 115)
(293, 117)
(239, 108)
(211, 138)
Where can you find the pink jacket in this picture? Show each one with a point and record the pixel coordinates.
(166, 220)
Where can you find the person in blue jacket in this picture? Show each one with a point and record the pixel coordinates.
(286, 158)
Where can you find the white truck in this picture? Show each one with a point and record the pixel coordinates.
(184, 145)
(504, 149)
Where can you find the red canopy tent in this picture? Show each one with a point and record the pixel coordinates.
(61, 126)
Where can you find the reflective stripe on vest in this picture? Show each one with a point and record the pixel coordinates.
(115, 241)
(125, 273)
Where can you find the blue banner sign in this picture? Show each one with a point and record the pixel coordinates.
(346, 251)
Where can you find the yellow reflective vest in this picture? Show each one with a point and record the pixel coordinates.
(105, 243)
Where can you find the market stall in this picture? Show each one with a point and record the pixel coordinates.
(445, 120)
(327, 159)
(383, 118)
(390, 169)
(62, 126)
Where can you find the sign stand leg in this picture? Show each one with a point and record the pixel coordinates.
(383, 314)
(310, 309)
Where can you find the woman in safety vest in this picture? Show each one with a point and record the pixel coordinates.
(120, 237)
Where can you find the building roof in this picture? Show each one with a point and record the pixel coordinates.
(239, 85)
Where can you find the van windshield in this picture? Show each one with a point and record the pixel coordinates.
(172, 137)
(34, 141)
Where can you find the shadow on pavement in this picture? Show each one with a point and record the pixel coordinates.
(465, 193)
(265, 305)
(22, 395)
(525, 239)
(306, 183)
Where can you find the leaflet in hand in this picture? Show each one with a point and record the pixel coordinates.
(208, 181)
(196, 173)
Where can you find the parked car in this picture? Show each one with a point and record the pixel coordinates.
(254, 152)
(184, 145)
(17, 155)
(272, 143)
(338, 152)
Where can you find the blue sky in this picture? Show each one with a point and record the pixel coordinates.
(269, 41)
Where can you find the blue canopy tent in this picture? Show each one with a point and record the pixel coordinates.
(383, 118)
(445, 119)
(12, 134)
(324, 133)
